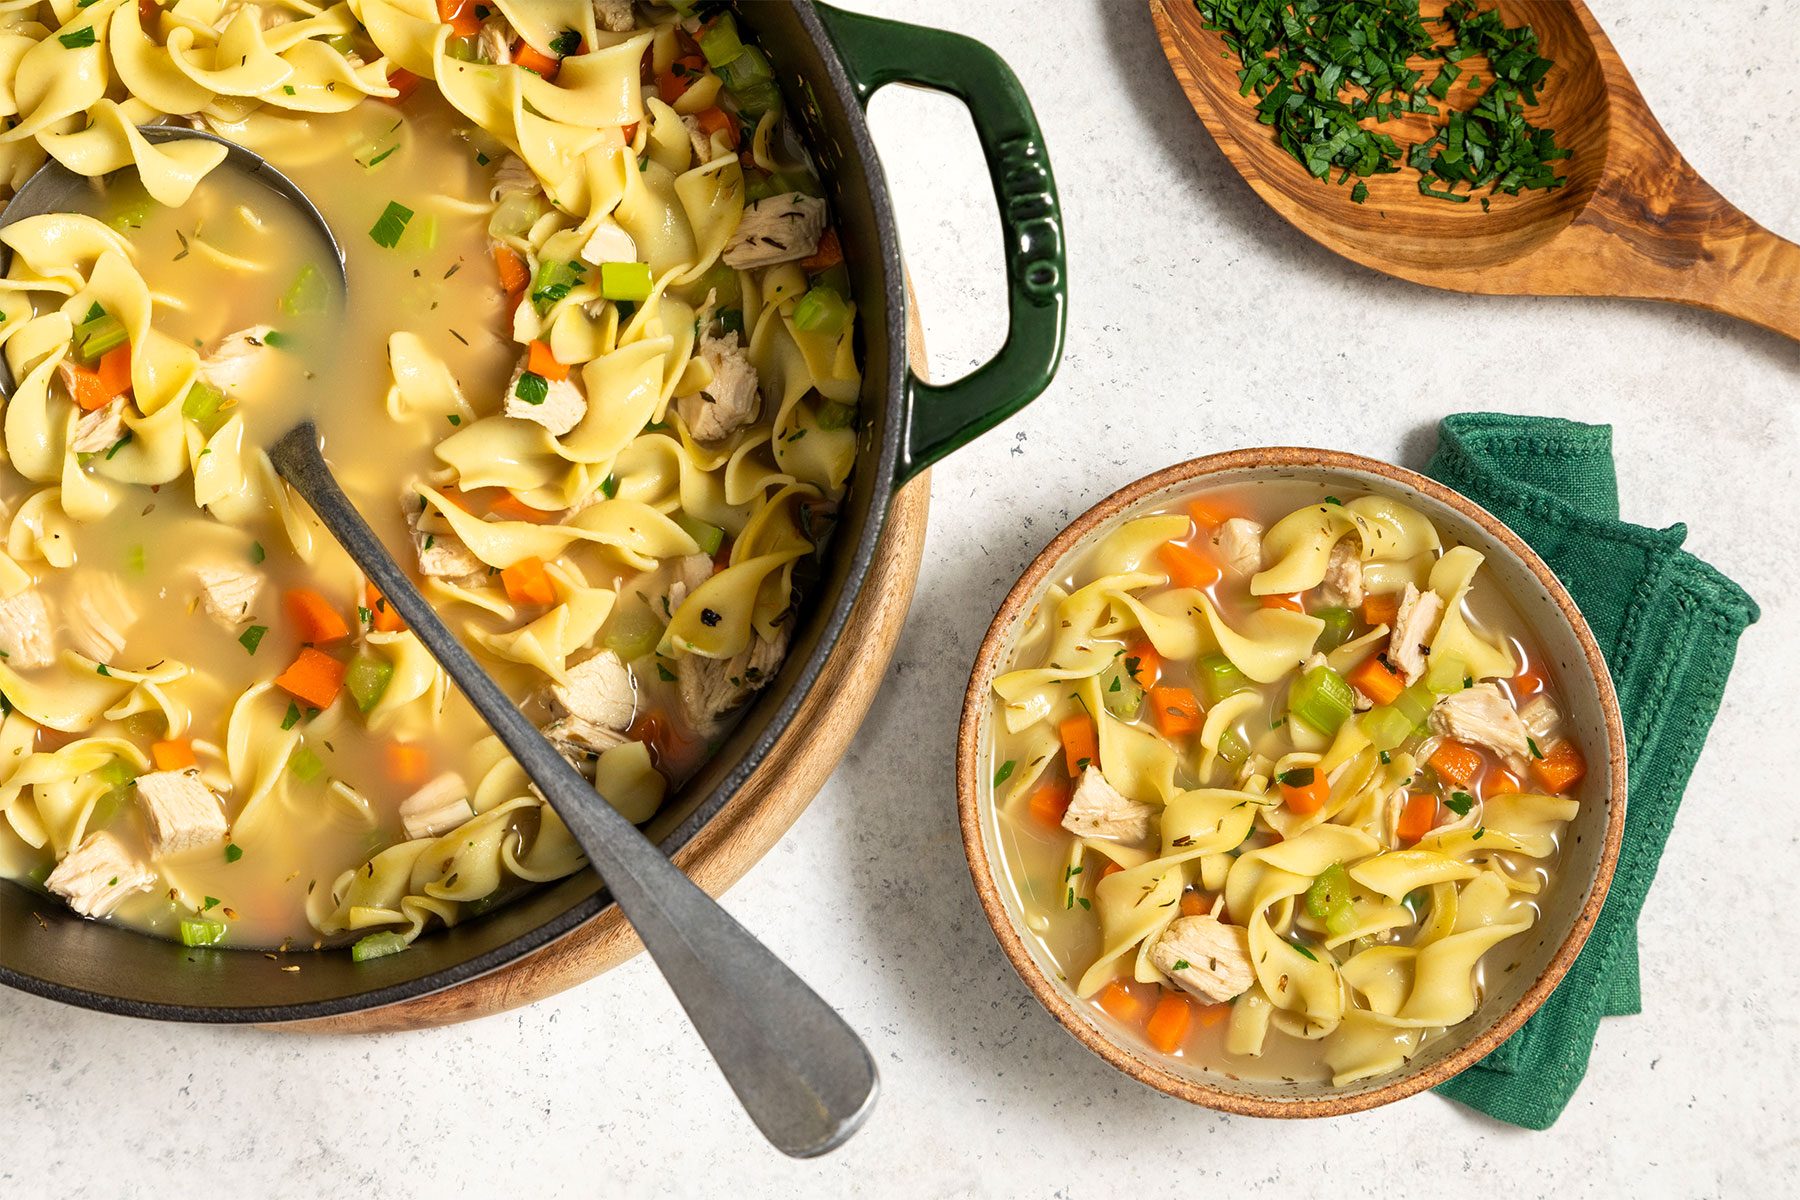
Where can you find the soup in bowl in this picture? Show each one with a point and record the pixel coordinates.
(1291, 781)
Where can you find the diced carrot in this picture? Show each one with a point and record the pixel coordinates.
(115, 370)
(1528, 683)
(829, 254)
(84, 386)
(404, 82)
(1209, 514)
(515, 509)
(1120, 1003)
(314, 677)
(149, 12)
(174, 755)
(1187, 566)
(1111, 868)
(1380, 610)
(1176, 711)
(382, 617)
(514, 278)
(1561, 768)
(315, 620)
(527, 582)
(1211, 1014)
(716, 120)
(1048, 804)
(1169, 1023)
(656, 731)
(460, 16)
(1376, 680)
(1309, 797)
(1418, 818)
(629, 133)
(1501, 782)
(540, 361)
(532, 59)
(1144, 664)
(1456, 762)
(671, 87)
(406, 762)
(1292, 602)
(1193, 904)
(1080, 747)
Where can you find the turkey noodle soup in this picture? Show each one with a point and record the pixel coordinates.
(1278, 776)
(595, 369)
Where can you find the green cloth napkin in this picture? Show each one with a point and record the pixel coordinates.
(1668, 625)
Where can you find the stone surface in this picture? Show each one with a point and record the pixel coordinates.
(604, 1091)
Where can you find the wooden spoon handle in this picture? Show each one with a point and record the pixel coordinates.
(1676, 238)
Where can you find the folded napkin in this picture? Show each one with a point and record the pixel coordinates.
(1668, 625)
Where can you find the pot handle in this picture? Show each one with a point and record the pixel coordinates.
(876, 52)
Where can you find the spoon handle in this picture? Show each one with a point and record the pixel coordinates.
(801, 1073)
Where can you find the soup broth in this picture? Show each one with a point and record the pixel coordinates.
(571, 403)
(1279, 779)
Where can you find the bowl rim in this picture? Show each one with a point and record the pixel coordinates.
(983, 869)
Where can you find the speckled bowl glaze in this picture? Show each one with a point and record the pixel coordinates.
(1570, 907)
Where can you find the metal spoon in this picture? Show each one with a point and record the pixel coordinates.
(801, 1073)
(53, 188)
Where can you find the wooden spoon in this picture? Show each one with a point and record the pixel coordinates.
(1634, 219)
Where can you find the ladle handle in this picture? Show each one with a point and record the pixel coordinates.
(801, 1073)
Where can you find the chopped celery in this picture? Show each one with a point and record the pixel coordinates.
(1330, 888)
(803, 182)
(759, 99)
(836, 277)
(516, 214)
(837, 416)
(759, 185)
(709, 537)
(1219, 679)
(132, 206)
(719, 40)
(1322, 699)
(343, 43)
(201, 406)
(117, 772)
(1446, 674)
(135, 559)
(421, 234)
(305, 765)
(722, 281)
(748, 70)
(1121, 694)
(96, 336)
(201, 931)
(462, 50)
(307, 294)
(633, 632)
(1386, 726)
(1416, 702)
(1338, 622)
(378, 945)
(625, 281)
(821, 310)
(38, 877)
(554, 280)
(367, 680)
(1232, 748)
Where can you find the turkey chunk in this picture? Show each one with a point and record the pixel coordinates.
(230, 362)
(698, 139)
(26, 637)
(493, 41)
(182, 812)
(436, 808)
(99, 430)
(1482, 715)
(1206, 957)
(228, 593)
(599, 692)
(560, 409)
(1240, 543)
(609, 243)
(512, 175)
(581, 741)
(1097, 810)
(614, 16)
(691, 570)
(712, 687)
(731, 400)
(1415, 624)
(442, 555)
(1343, 586)
(96, 875)
(776, 229)
(99, 616)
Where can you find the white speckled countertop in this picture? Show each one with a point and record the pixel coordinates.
(1200, 322)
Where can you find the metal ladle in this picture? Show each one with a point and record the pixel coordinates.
(799, 1070)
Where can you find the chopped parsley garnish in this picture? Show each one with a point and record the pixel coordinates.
(1303, 950)
(79, 38)
(391, 225)
(1460, 803)
(532, 388)
(1180, 964)
(257, 553)
(1298, 777)
(1535, 752)
(663, 673)
(566, 43)
(252, 637)
(211, 902)
(609, 487)
(293, 716)
(1005, 772)
(233, 852)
